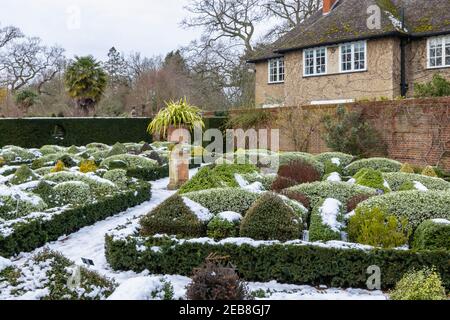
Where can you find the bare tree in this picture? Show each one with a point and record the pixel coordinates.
(226, 19)
(137, 64)
(8, 34)
(290, 13)
(29, 62)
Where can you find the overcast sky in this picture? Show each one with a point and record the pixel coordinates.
(93, 26)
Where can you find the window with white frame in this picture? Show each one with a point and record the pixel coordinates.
(353, 56)
(315, 61)
(439, 52)
(276, 70)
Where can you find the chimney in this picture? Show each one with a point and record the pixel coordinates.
(327, 5)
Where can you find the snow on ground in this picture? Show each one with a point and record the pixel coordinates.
(89, 243)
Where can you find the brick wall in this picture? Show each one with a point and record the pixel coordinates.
(416, 130)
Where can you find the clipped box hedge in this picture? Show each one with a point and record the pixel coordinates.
(36, 232)
(36, 132)
(285, 263)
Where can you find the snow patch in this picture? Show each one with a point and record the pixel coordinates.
(4, 263)
(329, 213)
(201, 212)
(441, 221)
(420, 187)
(336, 161)
(334, 177)
(230, 216)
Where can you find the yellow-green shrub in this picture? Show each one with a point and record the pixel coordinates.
(58, 167)
(88, 166)
(429, 171)
(425, 284)
(374, 227)
(407, 168)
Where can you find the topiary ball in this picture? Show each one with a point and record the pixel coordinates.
(22, 175)
(175, 217)
(270, 218)
(432, 235)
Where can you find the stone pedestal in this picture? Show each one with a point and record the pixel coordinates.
(178, 167)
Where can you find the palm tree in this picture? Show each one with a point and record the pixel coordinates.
(86, 82)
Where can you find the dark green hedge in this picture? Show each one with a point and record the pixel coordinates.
(153, 174)
(36, 233)
(36, 132)
(310, 265)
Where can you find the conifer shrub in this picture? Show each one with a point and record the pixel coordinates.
(88, 166)
(22, 175)
(59, 167)
(407, 168)
(224, 199)
(432, 235)
(270, 218)
(373, 179)
(173, 217)
(224, 225)
(376, 228)
(381, 164)
(397, 179)
(342, 191)
(424, 284)
(429, 172)
(213, 281)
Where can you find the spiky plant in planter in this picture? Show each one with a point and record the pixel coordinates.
(176, 115)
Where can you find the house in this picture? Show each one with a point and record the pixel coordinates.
(353, 50)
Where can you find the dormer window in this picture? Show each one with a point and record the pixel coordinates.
(439, 52)
(276, 70)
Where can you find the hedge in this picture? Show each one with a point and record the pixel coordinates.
(36, 132)
(285, 263)
(32, 234)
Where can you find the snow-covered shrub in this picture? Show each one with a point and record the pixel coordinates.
(341, 191)
(270, 218)
(337, 158)
(432, 235)
(117, 149)
(69, 160)
(43, 171)
(429, 172)
(372, 178)
(100, 187)
(376, 228)
(397, 179)
(224, 199)
(16, 203)
(98, 146)
(219, 176)
(416, 206)
(118, 177)
(98, 156)
(16, 154)
(224, 225)
(74, 150)
(22, 175)
(176, 216)
(381, 164)
(135, 148)
(132, 161)
(72, 192)
(51, 149)
(154, 155)
(327, 221)
(215, 282)
(46, 276)
(425, 284)
(265, 179)
(48, 160)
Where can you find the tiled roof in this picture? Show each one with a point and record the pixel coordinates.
(348, 21)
